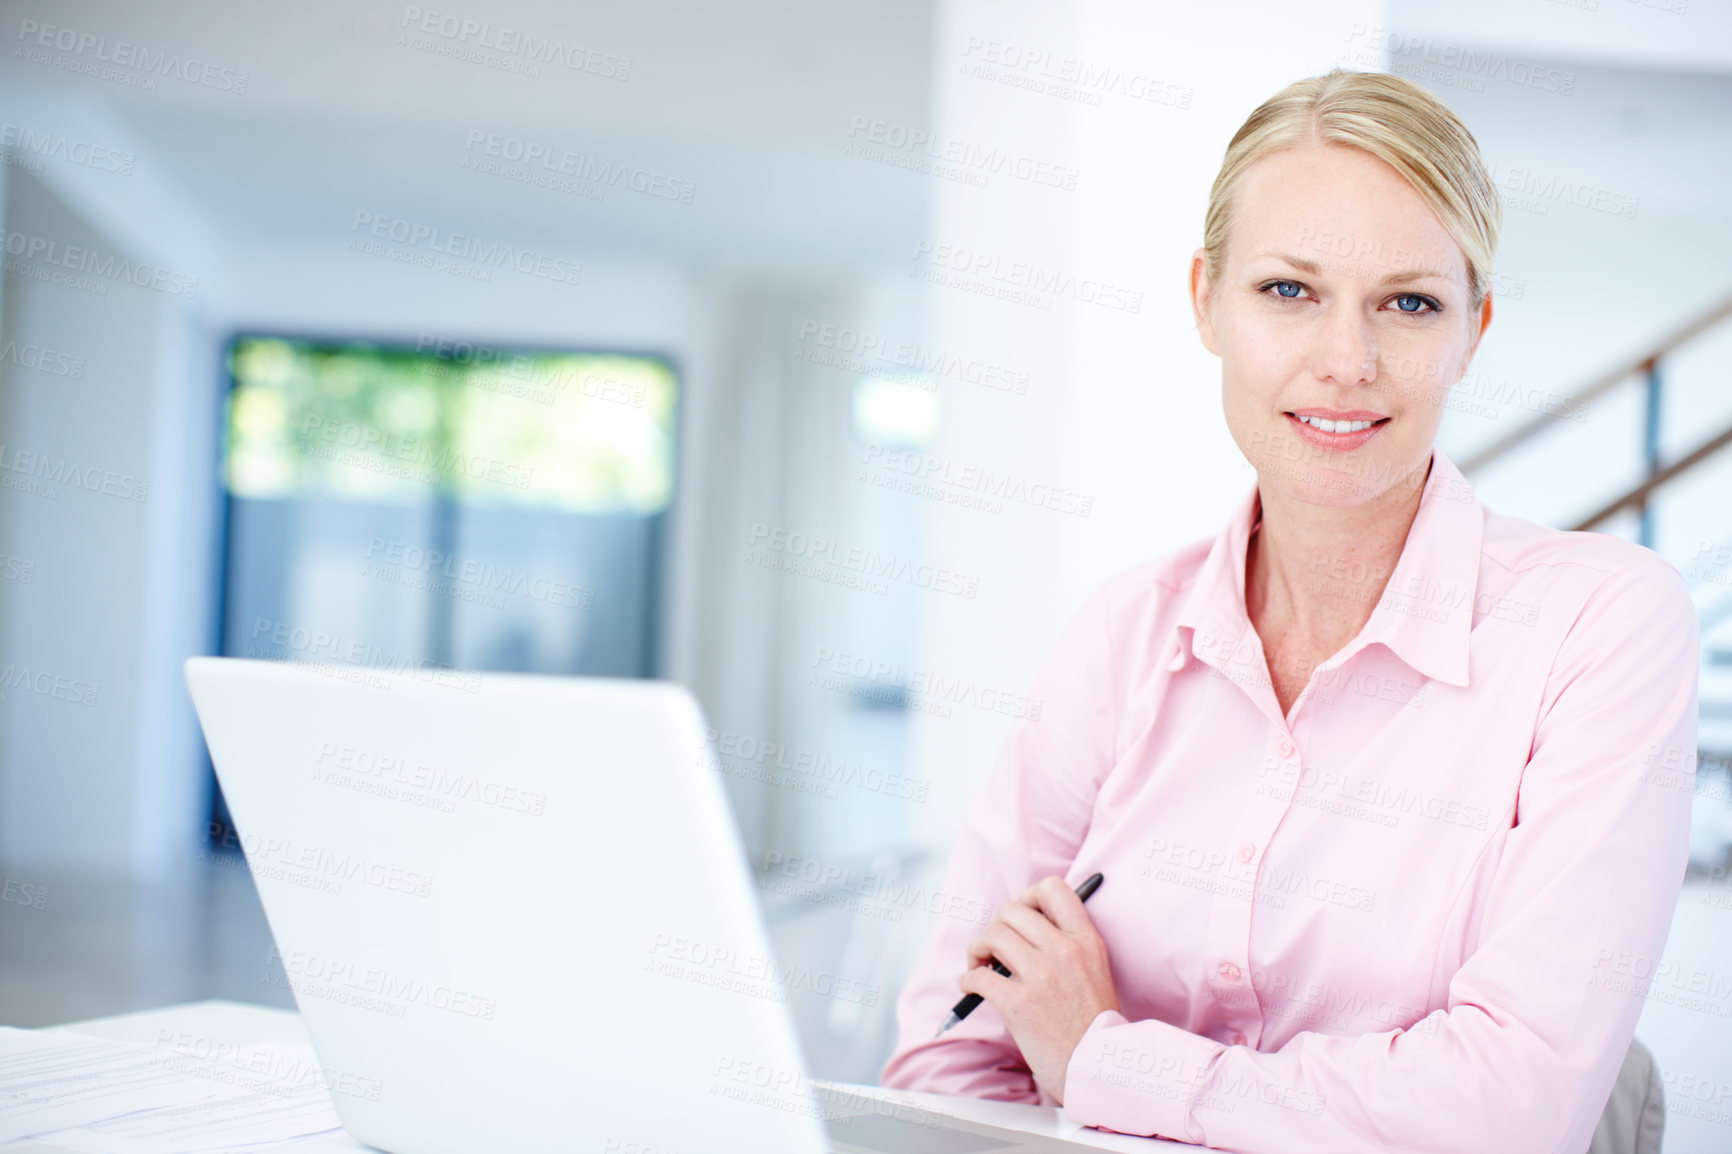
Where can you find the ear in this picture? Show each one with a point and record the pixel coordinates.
(1202, 294)
(1481, 323)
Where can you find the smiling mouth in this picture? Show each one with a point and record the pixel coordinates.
(1325, 425)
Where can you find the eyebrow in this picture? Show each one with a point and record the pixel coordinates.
(1314, 269)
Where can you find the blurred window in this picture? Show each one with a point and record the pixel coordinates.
(452, 505)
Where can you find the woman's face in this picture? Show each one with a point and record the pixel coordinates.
(1341, 319)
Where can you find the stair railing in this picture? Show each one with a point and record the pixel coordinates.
(1647, 368)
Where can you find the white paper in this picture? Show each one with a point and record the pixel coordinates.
(54, 1079)
(225, 1124)
(124, 1098)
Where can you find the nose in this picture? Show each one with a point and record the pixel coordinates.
(1344, 351)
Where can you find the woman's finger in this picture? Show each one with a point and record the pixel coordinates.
(1004, 943)
(1054, 897)
(1031, 924)
(988, 983)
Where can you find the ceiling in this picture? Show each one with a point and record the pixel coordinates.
(744, 107)
(354, 108)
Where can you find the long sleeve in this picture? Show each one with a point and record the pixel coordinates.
(1540, 1014)
(1024, 823)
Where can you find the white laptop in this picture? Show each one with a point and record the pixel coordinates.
(516, 914)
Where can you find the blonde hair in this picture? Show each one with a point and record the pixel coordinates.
(1390, 118)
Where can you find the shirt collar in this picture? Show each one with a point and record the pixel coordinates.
(1425, 614)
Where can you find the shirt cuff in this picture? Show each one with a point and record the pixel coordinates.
(1138, 1077)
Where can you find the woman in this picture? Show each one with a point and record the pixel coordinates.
(1372, 776)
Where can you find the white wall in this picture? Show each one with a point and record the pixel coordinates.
(1690, 35)
(1123, 406)
(116, 585)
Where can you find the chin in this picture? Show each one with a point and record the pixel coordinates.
(1303, 473)
(1319, 485)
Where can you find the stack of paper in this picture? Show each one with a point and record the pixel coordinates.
(125, 1098)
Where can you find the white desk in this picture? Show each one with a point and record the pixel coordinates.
(242, 1025)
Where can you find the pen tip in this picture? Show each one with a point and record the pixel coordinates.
(948, 1022)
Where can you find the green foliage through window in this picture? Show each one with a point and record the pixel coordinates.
(586, 432)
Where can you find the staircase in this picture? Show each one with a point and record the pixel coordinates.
(1706, 566)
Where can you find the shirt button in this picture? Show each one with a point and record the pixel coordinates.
(1287, 747)
(1247, 852)
(1238, 1039)
(1229, 972)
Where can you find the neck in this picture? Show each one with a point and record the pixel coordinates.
(1315, 572)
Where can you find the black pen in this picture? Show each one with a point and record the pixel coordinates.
(966, 1006)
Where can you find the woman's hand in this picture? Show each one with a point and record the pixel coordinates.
(1060, 982)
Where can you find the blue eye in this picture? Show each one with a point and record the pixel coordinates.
(1402, 303)
(1281, 287)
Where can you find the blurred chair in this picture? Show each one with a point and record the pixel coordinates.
(1635, 1114)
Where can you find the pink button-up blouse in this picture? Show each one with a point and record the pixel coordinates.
(1420, 912)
